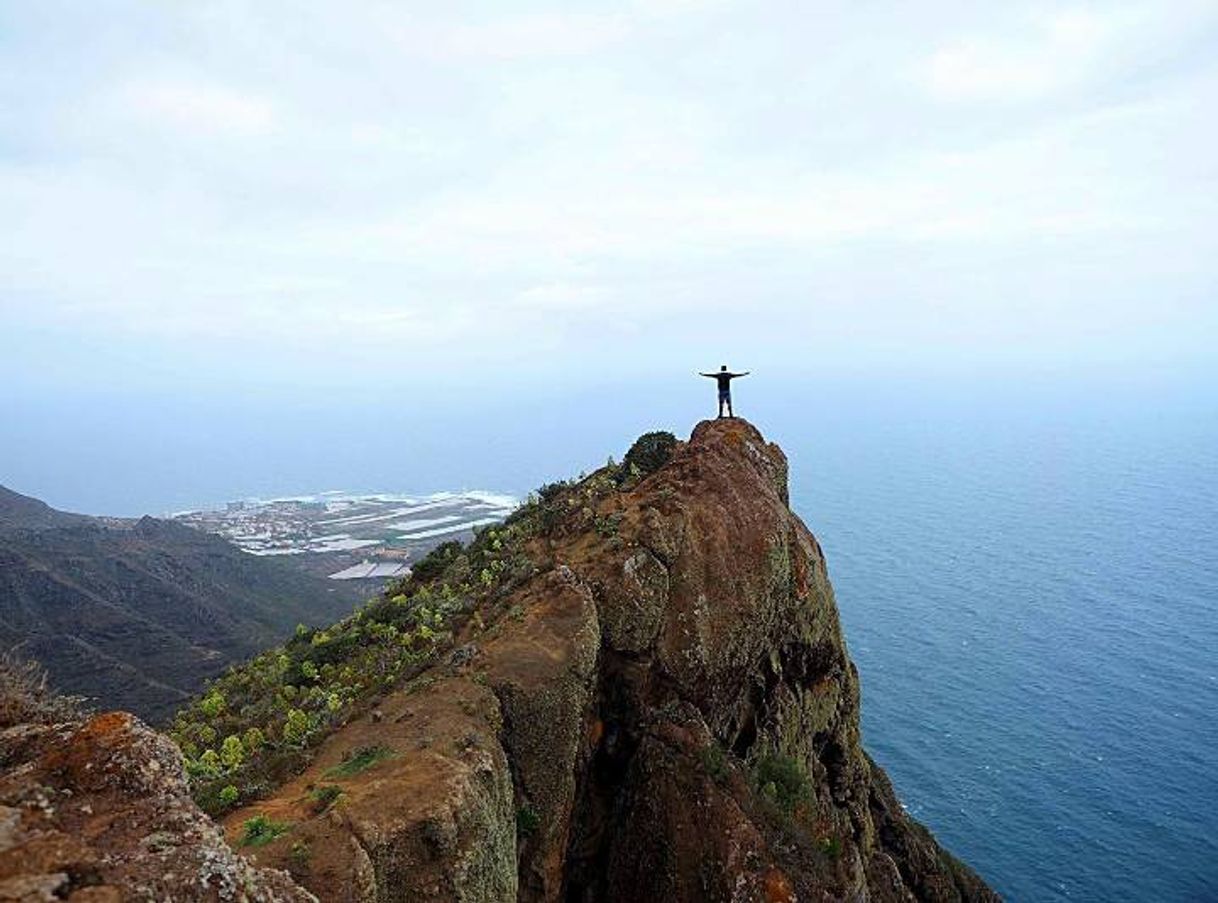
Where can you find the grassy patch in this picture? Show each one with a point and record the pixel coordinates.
(714, 760)
(323, 797)
(784, 781)
(359, 760)
(261, 830)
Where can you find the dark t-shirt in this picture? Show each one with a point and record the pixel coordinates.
(724, 380)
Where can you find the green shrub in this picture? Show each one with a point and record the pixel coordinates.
(232, 753)
(360, 759)
(783, 780)
(229, 795)
(254, 739)
(324, 797)
(261, 830)
(649, 453)
(435, 562)
(527, 820)
(714, 760)
(297, 726)
(212, 704)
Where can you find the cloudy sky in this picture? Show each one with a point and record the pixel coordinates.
(465, 185)
(297, 195)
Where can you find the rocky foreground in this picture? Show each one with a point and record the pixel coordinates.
(96, 810)
(660, 706)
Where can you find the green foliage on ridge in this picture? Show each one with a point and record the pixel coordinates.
(258, 724)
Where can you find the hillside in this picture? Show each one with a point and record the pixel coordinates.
(139, 614)
(636, 688)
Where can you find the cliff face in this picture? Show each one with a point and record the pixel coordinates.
(662, 708)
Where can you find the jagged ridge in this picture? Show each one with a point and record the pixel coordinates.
(637, 689)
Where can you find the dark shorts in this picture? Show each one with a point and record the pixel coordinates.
(725, 395)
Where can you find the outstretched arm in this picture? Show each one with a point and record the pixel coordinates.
(745, 373)
(711, 375)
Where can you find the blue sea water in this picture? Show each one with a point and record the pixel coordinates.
(1031, 595)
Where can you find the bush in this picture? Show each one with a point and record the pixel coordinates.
(649, 453)
(261, 830)
(527, 820)
(296, 728)
(435, 562)
(232, 753)
(25, 695)
(360, 759)
(714, 760)
(324, 797)
(784, 781)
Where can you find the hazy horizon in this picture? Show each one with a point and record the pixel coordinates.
(256, 245)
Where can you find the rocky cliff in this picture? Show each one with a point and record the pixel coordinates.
(96, 810)
(637, 689)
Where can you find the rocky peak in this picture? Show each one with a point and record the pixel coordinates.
(657, 704)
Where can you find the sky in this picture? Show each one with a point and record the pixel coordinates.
(440, 207)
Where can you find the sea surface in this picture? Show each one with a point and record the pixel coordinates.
(1031, 595)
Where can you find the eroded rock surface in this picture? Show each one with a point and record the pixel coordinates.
(667, 711)
(96, 809)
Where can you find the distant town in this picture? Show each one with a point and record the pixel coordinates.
(352, 537)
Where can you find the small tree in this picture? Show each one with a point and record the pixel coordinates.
(297, 727)
(254, 740)
(232, 753)
(213, 704)
(209, 762)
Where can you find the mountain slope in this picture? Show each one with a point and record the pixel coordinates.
(140, 613)
(637, 688)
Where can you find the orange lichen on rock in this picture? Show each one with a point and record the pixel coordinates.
(96, 810)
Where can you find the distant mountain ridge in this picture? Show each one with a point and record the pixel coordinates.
(20, 512)
(140, 613)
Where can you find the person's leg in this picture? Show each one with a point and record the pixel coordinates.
(729, 407)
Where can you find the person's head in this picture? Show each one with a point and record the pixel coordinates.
(724, 368)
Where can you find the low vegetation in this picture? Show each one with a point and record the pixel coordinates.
(261, 830)
(26, 697)
(359, 760)
(649, 453)
(259, 723)
(323, 797)
(783, 781)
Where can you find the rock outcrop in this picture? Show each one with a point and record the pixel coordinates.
(664, 710)
(96, 810)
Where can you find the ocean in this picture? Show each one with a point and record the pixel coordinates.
(1030, 592)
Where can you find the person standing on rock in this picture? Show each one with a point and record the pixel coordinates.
(724, 378)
